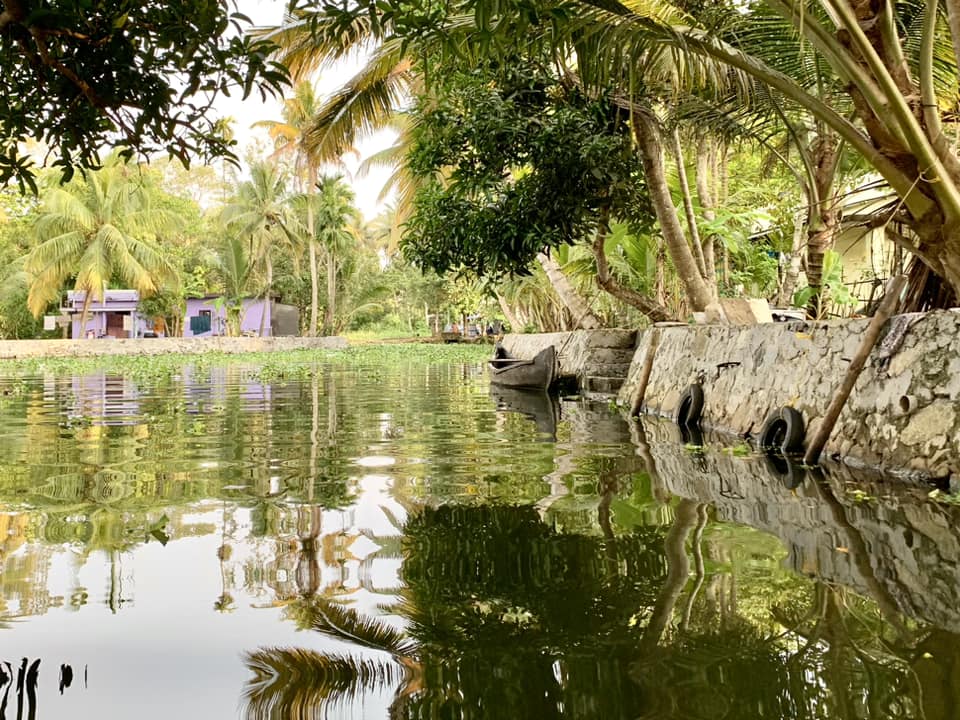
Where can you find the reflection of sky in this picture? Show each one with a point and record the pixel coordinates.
(166, 652)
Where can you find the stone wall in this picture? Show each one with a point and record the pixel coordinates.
(582, 354)
(903, 414)
(13, 349)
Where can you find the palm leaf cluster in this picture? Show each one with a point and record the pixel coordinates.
(94, 232)
(296, 684)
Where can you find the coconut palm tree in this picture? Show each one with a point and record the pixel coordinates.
(337, 221)
(290, 137)
(895, 63)
(261, 215)
(95, 231)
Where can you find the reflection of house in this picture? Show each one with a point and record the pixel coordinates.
(105, 399)
(115, 315)
(207, 316)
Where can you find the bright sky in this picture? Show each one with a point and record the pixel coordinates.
(246, 112)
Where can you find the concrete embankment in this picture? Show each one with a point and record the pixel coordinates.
(903, 415)
(18, 349)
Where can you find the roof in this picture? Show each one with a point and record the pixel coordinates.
(124, 296)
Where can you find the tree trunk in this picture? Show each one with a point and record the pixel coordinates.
(314, 273)
(819, 240)
(84, 313)
(688, 205)
(508, 314)
(824, 216)
(706, 179)
(329, 317)
(609, 283)
(789, 284)
(583, 317)
(698, 293)
(266, 296)
(314, 287)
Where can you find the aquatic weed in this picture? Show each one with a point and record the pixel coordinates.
(263, 366)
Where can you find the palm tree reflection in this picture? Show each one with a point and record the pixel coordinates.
(505, 616)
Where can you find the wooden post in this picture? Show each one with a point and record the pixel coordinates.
(645, 372)
(870, 337)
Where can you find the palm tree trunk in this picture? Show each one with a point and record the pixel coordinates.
(314, 273)
(314, 280)
(698, 293)
(508, 313)
(266, 295)
(583, 316)
(84, 312)
(824, 216)
(331, 309)
(789, 284)
(688, 205)
(820, 238)
(706, 179)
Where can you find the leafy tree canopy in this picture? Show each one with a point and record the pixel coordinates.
(512, 162)
(82, 74)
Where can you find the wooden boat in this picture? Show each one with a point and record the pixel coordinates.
(514, 372)
(534, 403)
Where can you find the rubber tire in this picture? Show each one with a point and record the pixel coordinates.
(791, 474)
(783, 431)
(691, 435)
(690, 407)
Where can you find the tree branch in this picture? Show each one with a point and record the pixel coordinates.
(653, 310)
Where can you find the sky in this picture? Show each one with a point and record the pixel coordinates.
(246, 112)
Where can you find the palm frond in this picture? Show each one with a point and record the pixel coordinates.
(349, 625)
(297, 683)
(309, 40)
(363, 105)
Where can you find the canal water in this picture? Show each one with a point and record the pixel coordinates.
(398, 540)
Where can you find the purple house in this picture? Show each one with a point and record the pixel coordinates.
(115, 315)
(207, 317)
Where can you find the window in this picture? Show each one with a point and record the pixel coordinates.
(201, 323)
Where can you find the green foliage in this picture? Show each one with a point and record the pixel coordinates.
(527, 165)
(833, 291)
(98, 230)
(81, 76)
(302, 363)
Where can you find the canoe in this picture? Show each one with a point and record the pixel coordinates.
(538, 372)
(534, 403)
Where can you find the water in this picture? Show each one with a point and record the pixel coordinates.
(392, 541)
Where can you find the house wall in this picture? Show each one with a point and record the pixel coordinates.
(97, 322)
(253, 309)
(123, 301)
(866, 256)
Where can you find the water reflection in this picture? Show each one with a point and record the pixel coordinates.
(402, 542)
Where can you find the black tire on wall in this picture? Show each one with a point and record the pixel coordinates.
(783, 431)
(690, 407)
